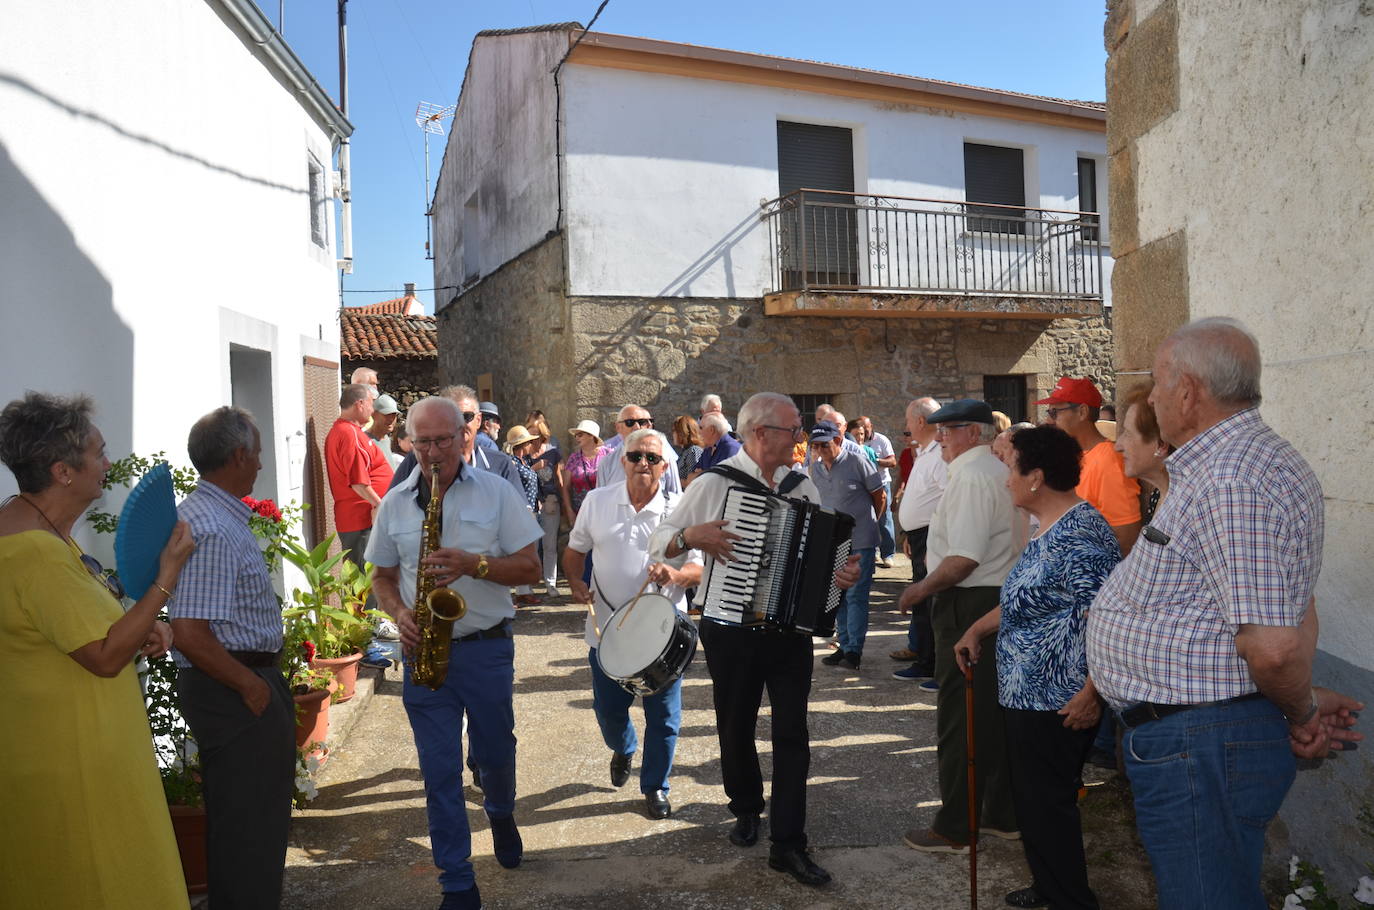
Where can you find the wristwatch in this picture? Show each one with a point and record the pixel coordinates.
(483, 567)
(680, 541)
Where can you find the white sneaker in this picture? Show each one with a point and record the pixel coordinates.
(387, 631)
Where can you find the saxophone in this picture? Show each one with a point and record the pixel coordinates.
(436, 608)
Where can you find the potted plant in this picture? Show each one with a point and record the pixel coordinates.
(331, 610)
(311, 688)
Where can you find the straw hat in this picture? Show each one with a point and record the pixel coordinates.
(590, 427)
(518, 436)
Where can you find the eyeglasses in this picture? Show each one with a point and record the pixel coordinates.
(798, 433)
(637, 457)
(638, 421)
(1054, 412)
(944, 428)
(470, 416)
(111, 582)
(906, 432)
(440, 442)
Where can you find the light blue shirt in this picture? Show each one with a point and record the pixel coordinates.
(481, 514)
(847, 486)
(225, 580)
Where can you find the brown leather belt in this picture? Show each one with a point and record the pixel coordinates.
(257, 658)
(1145, 711)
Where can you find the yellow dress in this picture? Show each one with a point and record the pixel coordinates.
(85, 823)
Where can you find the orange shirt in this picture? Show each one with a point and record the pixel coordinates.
(1103, 482)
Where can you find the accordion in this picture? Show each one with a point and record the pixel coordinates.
(783, 573)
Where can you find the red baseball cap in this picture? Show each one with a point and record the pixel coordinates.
(1074, 391)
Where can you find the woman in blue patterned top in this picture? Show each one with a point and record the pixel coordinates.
(1049, 704)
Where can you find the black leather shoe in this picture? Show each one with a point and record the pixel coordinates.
(620, 768)
(833, 658)
(657, 804)
(471, 899)
(1026, 897)
(797, 864)
(506, 842)
(746, 831)
(850, 661)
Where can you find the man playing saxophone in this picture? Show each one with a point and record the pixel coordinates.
(486, 544)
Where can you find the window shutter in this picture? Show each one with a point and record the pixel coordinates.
(997, 175)
(819, 158)
(814, 157)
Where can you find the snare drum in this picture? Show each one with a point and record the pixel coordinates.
(650, 649)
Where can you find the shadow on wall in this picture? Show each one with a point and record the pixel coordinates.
(62, 334)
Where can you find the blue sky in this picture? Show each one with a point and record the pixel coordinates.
(402, 52)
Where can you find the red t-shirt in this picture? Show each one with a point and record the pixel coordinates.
(352, 457)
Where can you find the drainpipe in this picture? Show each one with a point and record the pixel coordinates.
(345, 173)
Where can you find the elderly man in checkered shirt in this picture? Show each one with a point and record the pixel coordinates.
(1202, 639)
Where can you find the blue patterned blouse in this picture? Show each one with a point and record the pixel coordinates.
(1041, 657)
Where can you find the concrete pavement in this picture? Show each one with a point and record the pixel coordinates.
(364, 841)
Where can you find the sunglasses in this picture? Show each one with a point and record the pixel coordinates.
(637, 457)
(638, 421)
(111, 582)
(1055, 412)
(470, 416)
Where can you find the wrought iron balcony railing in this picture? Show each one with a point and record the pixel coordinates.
(834, 241)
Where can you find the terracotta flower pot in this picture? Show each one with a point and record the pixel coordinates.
(188, 823)
(345, 672)
(312, 718)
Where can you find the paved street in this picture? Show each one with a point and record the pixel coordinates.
(364, 842)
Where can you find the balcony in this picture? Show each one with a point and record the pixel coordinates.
(848, 254)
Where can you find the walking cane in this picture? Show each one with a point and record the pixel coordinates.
(972, 792)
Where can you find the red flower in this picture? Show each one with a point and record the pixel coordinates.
(267, 509)
(309, 648)
(250, 502)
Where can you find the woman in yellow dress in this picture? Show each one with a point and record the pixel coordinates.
(86, 822)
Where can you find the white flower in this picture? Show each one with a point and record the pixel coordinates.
(1306, 892)
(1292, 902)
(1364, 893)
(1293, 868)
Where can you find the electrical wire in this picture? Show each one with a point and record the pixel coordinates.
(447, 287)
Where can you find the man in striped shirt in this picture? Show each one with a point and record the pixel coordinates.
(1202, 638)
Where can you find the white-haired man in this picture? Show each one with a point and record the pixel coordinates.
(920, 497)
(710, 404)
(487, 545)
(716, 444)
(971, 547)
(1202, 639)
(742, 660)
(614, 523)
(610, 472)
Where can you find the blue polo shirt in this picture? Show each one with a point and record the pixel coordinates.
(727, 447)
(846, 487)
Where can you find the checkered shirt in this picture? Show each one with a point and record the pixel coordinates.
(225, 579)
(1244, 517)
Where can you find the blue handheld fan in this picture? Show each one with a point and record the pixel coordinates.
(145, 525)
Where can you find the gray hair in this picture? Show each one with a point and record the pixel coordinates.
(444, 402)
(709, 403)
(755, 411)
(457, 393)
(352, 394)
(620, 415)
(717, 422)
(362, 374)
(641, 434)
(1018, 427)
(923, 406)
(987, 432)
(218, 435)
(39, 431)
(1223, 355)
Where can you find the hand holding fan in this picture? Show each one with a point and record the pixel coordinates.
(145, 525)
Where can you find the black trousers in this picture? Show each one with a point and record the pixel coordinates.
(742, 663)
(921, 638)
(1046, 761)
(248, 765)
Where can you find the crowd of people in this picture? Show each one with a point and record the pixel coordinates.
(1138, 589)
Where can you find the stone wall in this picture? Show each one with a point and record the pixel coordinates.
(667, 353)
(405, 380)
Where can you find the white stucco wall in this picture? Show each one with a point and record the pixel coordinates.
(1267, 166)
(154, 210)
(665, 173)
(500, 155)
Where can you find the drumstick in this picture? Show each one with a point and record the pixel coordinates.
(638, 594)
(591, 609)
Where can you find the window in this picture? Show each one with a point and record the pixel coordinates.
(1006, 394)
(319, 231)
(995, 175)
(817, 157)
(1087, 197)
(807, 404)
(472, 239)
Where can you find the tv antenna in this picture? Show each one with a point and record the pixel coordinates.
(430, 119)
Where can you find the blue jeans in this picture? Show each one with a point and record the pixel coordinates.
(851, 619)
(1206, 783)
(480, 681)
(662, 720)
(887, 532)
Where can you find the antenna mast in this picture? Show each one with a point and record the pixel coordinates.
(430, 119)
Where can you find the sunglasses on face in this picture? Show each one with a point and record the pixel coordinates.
(638, 421)
(111, 582)
(650, 457)
(470, 416)
(1055, 412)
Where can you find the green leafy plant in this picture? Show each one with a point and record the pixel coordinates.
(128, 471)
(332, 608)
(178, 757)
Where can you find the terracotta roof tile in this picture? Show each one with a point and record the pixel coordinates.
(386, 336)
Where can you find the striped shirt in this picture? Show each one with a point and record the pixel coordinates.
(1244, 522)
(225, 580)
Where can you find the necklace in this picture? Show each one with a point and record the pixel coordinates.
(33, 505)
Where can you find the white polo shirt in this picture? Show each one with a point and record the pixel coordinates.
(976, 520)
(617, 536)
(924, 486)
(482, 513)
